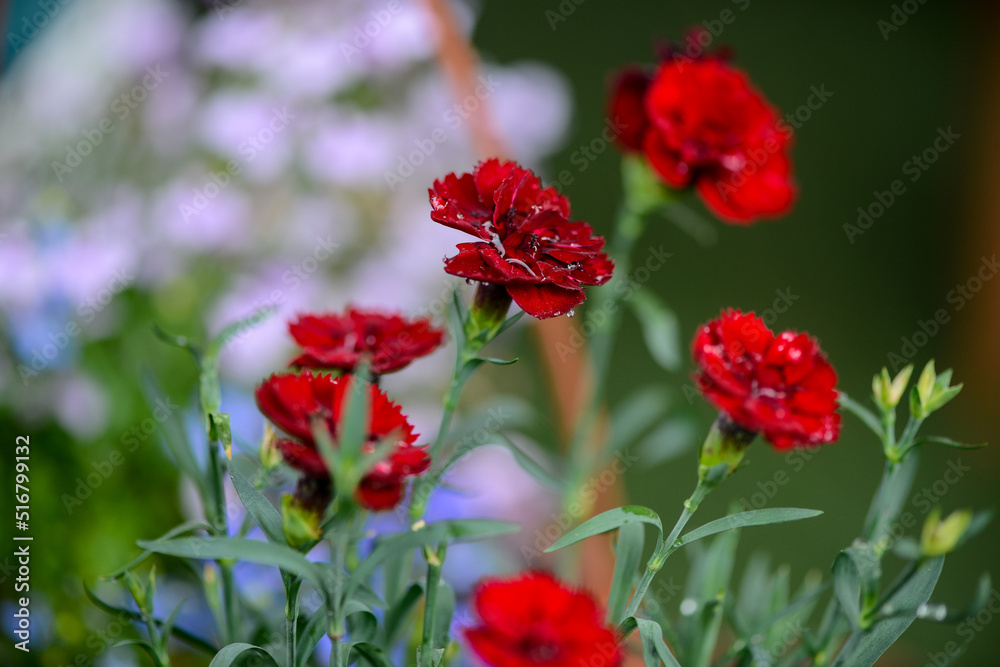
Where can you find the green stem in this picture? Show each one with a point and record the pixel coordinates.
(435, 560)
(337, 656)
(424, 487)
(220, 521)
(667, 547)
(904, 576)
(230, 601)
(458, 380)
(292, 584)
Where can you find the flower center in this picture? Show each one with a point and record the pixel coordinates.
(538, 650)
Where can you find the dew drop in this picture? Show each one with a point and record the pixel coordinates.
(571, 313)
(468, 281)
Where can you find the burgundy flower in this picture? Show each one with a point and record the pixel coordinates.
(701, 123)
(782, 385)
(533, 620)
(389, 342)
(293, 401)
(526, 242)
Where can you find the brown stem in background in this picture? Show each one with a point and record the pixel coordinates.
(570, 377)
(461, 65)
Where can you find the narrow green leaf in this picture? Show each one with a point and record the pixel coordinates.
(191, 640)
(654, 649)
(223, 429)
(310, 637)
(354, 424)
(866, 416)
(172, 435)
(857, 571)
(255, 551)
(666, 442)
(173, 532)
(445, 610)
(707, 583)
(979, 521)
(456, 320)
(232, 654)
(692, 223)
(947, 442)
(234, 330)
(634, 415)
(144, 645)
(942, 614)
(608, 521)
(361, 625)
(259, 507)
(328, 451)
(761, 517)
(183, 342)
(863, 648)
(168, 626)
(748, 612)
(509, 322)
(395, 617)
(498, 362)
(893, 493)
(526, 462)
(628, 555)
(660, 329)
(373, 654)
(846, 586)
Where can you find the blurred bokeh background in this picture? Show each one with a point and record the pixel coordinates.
(186, 164)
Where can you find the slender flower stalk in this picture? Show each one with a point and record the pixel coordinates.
(669, 545)
(435, 561)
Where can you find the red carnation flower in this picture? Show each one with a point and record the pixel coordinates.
(780, 385)
(533, 620)
(527, 244)
(293, 401)
(702, 123)
(388, 342)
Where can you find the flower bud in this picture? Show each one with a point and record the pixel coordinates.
(932, 391)
(940, 537)
(270, 457)
(136, 588)
(888, 392)
(726, 443)
(488, 311)
(302, 513)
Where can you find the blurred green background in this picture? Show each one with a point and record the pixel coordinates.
(889, 98)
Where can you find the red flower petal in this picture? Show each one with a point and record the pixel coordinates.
(781, 386)
(293, 401)
(705, 123)
(535, 620)
(545, 300)
(389, 342)
(627, 109)
(526, 241)
(757, 191)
